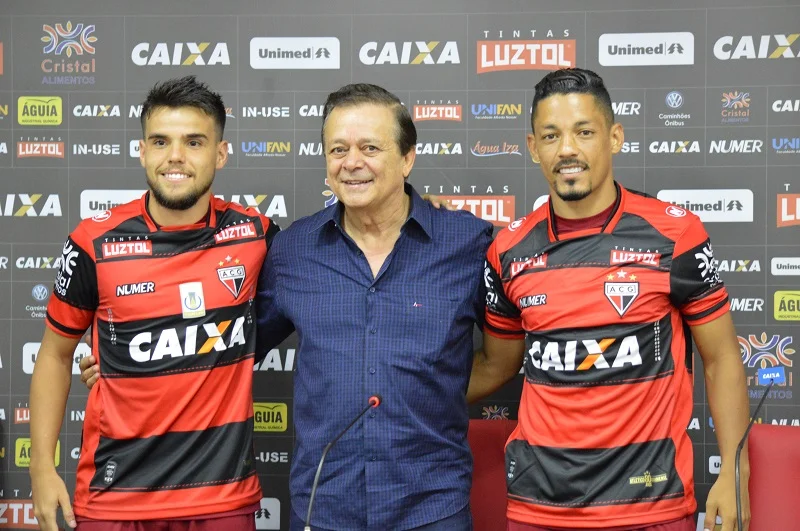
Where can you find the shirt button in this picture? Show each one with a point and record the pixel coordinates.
(372, 290)
(372, 370)
(372, 415)
(373, 330)
(374, 458)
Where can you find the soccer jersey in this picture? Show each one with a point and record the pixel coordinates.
(168, 426)
(601, 439)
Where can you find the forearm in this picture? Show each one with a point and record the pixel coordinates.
(730, 408)
(486, 377)
(50, 386)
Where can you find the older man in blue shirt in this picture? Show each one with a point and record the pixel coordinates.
(383, 290)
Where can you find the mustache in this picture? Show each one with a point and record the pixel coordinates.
(570, 162)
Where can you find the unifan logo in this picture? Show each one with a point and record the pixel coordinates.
(523, 54)
(756, 47)
(497, 209)
(409, 53)
(31, 205)
(180, 54)
(496, 111)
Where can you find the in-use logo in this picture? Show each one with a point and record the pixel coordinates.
(646, 49)
(39, 110)
(295, 53)
(525, 54)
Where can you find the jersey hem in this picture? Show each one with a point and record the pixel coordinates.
(591, 521)
(193, 511)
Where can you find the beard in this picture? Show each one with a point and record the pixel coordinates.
(572, 194)
(182, 202)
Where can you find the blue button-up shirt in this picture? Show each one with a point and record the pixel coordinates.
(405, 334)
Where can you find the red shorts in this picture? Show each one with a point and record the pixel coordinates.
(240, 519)
(683, 524)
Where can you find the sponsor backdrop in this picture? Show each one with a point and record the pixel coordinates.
(709, 97)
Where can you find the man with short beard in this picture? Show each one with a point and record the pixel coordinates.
(598, 294)
(167, 284)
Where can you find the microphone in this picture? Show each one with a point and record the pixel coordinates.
(773, 375)
(373, 402)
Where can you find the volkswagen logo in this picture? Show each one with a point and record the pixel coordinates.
(40, 292)
(674, 100)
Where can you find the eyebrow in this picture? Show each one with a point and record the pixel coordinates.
(577, 124)
(191, 136)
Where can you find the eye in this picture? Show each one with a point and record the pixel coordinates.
(195, 143)
(586, 132)
(159, 142)
(370, 149)
(338, 150)
(551, 136)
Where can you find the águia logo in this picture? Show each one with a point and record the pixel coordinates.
(270, 416)
(787, 306)
(39, 110)
(22, 452)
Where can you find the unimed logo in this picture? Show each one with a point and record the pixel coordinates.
(94, 202)
(644, 49)
(294, 53)
(713, 205)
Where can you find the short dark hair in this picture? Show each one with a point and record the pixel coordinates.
(573, 81)
(185, 92)
(361, 93)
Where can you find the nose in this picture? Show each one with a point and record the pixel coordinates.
(176, 152)
(354, 159)
(567, 148)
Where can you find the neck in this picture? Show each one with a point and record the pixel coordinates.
(594, 203)
(167, 217)
(382, 222)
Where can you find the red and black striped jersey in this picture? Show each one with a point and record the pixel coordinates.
(168, 427)
(601, 439)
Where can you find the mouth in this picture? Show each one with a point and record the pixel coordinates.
(357, 184)
(571, 171)
(174, 176)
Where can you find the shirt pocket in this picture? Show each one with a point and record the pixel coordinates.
(422, 324)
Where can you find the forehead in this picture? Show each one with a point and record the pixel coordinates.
(567, 109)
(360, 119)
(186, 120)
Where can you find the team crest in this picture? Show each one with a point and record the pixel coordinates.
(232, 277)
(621, 294)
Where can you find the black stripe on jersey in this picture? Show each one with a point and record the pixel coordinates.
(175, 460)
(611, 355)
(152, 347)
(500, 331)
(698, 316)
(570, 477)
(65, 329)
(632, 236)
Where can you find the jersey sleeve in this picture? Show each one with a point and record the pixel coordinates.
(503, 318)
(695, 285)
(72, 305)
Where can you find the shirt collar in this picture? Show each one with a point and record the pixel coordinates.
(420, 214)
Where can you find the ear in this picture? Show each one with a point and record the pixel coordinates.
(531, 140)
(142, 148)
(222, 154)
(408, 161)
(617, 138)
